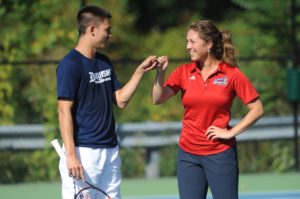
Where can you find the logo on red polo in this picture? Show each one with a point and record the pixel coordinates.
(222, 81)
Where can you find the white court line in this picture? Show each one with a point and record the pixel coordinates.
(293, 194)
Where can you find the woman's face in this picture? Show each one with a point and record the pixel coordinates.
(197, 47)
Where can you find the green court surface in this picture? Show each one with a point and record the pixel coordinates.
(249, 183)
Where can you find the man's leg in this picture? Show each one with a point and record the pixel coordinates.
(103, 169)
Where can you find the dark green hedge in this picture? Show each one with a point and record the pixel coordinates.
(42, 165)
(27, 166)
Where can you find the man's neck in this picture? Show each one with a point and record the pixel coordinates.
(86, 49)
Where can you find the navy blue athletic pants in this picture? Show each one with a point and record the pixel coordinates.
(219, 172)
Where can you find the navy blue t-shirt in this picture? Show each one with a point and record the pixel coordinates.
(90, 84)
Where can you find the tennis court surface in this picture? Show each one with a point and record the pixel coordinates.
(254, 195)
(251, 186)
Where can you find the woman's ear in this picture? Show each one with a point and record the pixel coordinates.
(209, 45)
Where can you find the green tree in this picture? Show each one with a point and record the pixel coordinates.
(6, 89)
(266, 35)
(49, 32)
(33, 29)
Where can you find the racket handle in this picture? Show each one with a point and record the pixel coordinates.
(62, 156)
(59, 150)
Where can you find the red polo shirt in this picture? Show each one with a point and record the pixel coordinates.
(208, 103)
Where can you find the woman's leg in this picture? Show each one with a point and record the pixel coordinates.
(222, 174)
(191, 178)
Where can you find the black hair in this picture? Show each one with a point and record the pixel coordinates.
(90, 14)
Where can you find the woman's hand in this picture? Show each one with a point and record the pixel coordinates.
(214, 132)
(162, 63)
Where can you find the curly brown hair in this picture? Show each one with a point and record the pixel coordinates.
(222, 48)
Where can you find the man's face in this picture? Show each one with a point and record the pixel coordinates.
(102, 33)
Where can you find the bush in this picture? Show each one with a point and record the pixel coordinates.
(28, 166)
(133, 163)
(266, 156)
(13, 167)
(42, 165)
(168, 161)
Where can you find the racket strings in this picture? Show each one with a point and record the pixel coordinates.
(90, 193)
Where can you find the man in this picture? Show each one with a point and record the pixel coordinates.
(87, 87)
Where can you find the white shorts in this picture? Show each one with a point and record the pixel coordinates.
(102, 168)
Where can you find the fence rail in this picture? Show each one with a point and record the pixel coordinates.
(150, 135)
(144, 134)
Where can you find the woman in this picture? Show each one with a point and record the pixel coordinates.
(207, 154)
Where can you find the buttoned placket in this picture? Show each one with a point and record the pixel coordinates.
(206, 82)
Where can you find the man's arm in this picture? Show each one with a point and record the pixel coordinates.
(66, 129)
(123, 95)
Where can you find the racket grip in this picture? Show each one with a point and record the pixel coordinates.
(62, 156)
(59, 150)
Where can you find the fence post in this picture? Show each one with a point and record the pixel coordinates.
(152, 163)
(293, 85)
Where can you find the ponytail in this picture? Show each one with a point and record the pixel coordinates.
(228, 49)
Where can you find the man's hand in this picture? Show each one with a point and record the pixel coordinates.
(148, 64)
(75, 168)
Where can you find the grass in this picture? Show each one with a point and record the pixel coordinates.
(160, 186)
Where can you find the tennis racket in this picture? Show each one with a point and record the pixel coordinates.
(89, 192)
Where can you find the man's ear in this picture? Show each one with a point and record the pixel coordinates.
(91, 30)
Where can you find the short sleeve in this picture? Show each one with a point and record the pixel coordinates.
(174, 80)
(244, 89)
(116, 84)
(68, 79)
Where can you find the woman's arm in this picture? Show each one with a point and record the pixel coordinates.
(255, 112)
(161, 93)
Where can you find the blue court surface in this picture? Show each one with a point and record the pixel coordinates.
(252, 195)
